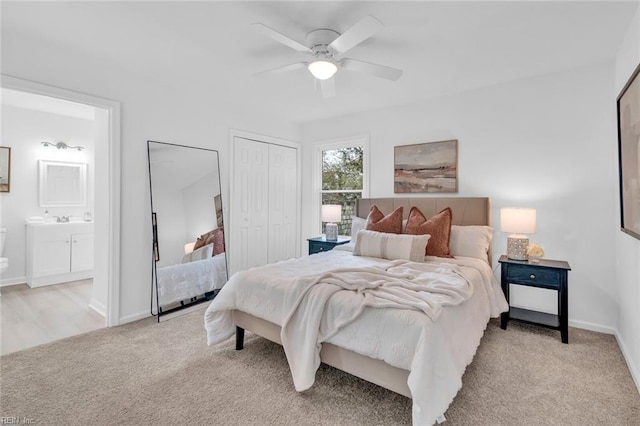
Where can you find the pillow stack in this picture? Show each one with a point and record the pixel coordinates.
(215, 237)
(443, 238)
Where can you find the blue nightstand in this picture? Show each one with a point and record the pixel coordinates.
(320, 244)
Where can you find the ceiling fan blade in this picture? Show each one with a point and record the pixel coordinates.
(282, 69)
(362, 30)
(369, 68)
(281, 38)
(328, 87)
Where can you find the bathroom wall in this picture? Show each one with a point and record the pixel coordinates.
(23, 130)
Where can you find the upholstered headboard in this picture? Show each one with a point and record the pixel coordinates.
(466, 211)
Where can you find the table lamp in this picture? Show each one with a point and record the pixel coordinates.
(517, 221)
(331, 213)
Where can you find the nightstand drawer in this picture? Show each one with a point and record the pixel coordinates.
(320, 247)
(534, 276)
(320, 244)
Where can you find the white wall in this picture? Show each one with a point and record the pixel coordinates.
(543, 142)
(200, 212)
(180, 112)
(627, 247)
(23, 130)
(171, 219)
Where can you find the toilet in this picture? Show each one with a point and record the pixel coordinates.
(4, 262)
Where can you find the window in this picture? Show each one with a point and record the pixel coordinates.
(343, 178)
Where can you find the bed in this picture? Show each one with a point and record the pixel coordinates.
(197, 279)
(307, 305)
(184, 281)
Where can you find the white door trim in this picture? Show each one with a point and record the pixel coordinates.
(113, 225)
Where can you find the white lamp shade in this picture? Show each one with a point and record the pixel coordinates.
(322, 70)
(331, 213)
(188, 248)
(518, 220)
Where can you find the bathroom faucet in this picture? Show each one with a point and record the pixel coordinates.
(62, 219)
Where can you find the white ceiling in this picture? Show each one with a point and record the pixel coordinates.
(443, 47)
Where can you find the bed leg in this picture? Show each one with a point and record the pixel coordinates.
(239, 338)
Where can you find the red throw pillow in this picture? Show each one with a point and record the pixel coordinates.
(439, 227)
(391, 223)
(217, 239)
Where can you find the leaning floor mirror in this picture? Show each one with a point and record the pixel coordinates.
(189, 261)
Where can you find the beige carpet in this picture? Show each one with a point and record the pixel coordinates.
(148, 373)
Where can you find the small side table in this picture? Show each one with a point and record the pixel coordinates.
(320, 244)
(549, 274)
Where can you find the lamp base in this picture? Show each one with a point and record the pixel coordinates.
(517, 247)
(331, 232)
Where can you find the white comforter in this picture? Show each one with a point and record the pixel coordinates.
(435, 342)
(186, 280)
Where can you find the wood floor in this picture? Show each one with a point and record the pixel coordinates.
(33, 316)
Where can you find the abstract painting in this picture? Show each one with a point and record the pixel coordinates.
(629, 155)
(426, 167)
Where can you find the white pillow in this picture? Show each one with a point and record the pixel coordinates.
(470, 241)
(391, 246)
(357, 224)
(202, 253)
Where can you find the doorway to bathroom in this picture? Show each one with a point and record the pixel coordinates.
(60, 216)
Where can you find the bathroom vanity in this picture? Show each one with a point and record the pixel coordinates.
(59, 252)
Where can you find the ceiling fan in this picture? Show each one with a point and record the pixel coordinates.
(326, 47)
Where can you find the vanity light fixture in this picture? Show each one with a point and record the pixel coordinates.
(62, 145)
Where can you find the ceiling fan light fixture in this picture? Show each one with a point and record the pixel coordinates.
(322, 70)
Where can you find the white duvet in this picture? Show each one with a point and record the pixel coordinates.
(435, 337)
(186, 280)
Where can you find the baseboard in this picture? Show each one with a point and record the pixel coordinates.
(13, 281)
(627, 357)
(188, 310)
(633, 369)
(134, 317)
(592, 327)
(99, 307)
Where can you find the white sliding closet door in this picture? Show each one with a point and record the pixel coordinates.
(283, 176)
(250, 204)
(264, 204)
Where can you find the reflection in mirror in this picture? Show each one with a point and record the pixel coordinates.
(63, 184)
(188, 234)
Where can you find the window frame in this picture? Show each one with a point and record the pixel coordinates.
(361, 140)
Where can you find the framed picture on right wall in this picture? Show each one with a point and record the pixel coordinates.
(628, 105)
(5, 169)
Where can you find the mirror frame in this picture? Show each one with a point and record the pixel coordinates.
(44, 179)
(6, 187)
(217, 205)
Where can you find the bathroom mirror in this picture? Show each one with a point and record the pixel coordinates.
(62, 184)
(189, 259)
(5, 169)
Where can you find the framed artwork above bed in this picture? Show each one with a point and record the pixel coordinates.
(426, 167)
(628, 106)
